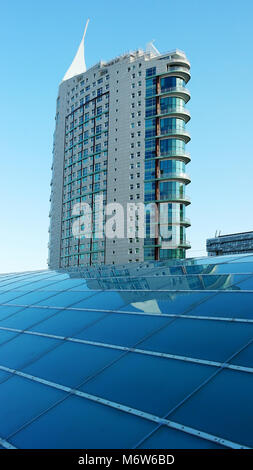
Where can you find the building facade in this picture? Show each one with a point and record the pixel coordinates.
(121, 133)
(231, 244)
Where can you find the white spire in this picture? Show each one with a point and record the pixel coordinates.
(78, 65)
(151, 49)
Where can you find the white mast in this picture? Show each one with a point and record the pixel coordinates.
(78, 65)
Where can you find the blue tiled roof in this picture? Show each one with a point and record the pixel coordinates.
(148, 355)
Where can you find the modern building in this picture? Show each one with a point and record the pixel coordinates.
(231, 244)
(121, 132)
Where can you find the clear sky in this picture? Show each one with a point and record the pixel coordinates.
(38, 42)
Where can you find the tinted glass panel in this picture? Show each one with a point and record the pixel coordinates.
(72, 363)
(90, 426)
(125, 330)
(148, 383)
(23, 349)
(223, 407)
(35, 398)
(166, 438)
(203, 339)
(68, 322)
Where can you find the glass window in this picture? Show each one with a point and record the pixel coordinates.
(171, 82)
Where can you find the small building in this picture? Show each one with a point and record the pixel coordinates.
(231, 244)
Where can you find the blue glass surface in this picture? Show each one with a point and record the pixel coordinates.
(151, 384)
(103, 300)
(124, 330)
(93, 316)
(223, 408)
(24, 348)
(4, 375)
(90, 425)
(63, 299)
(6, 336)
(163, 302)
(245, 357)
(31, 283)
(167, 438)
(227, 304)
(72, 363)
(68, 322)
(203, 339)
(26, 399)
(6, 311)
(26, 317)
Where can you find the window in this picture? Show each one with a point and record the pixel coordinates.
(151, 72)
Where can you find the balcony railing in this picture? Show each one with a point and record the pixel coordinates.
(180, 89)
(174, 175)
(176, 152)
(175, 131)
(175, 197)
(173, 68)
(174, 110)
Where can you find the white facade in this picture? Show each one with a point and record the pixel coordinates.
(89, 159)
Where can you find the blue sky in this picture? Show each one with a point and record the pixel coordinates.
(39, 41)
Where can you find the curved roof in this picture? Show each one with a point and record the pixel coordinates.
(149, 355)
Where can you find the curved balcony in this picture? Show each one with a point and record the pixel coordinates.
(179, 91)
(186, 222)
(175, 197)
(181, 221)
(181, 60)
(185, 244)
(175, 132)
(182, 244)
(176, 221)
(179, 69)
(176, 176)
(176, 154)
(178, 111)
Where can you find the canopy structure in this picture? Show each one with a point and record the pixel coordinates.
(145, 355)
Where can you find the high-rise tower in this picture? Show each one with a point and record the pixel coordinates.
(120, 132)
